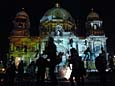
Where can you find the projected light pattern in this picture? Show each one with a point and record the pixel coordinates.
(58, 23)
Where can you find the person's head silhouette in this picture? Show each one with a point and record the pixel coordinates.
(50, 40)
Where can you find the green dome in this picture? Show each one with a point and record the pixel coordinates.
(57, 13)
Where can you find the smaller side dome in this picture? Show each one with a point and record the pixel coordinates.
(92, 15)
(22, 13)
(22, 20)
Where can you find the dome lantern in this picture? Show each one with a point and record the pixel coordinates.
(57, 5)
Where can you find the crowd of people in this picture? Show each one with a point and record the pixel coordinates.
(78, 70)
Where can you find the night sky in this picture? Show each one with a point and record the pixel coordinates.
(79, 10)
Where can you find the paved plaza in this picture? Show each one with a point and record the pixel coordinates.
(91, 80)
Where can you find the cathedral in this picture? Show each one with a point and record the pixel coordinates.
(58, 23)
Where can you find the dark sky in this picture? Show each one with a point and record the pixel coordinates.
(79, 9)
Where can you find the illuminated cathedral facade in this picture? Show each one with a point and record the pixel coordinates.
(58, 23)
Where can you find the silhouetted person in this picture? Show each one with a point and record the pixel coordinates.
(101, 65)
(32, 67)
(10, 74)
(25, 48)
(20, 70)
(103, 52)
(111, 63)
(41, 63)
(78, 70)
(4, 59)
(87, 53)
(82, 73)
(71, 42)
(51, 50)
